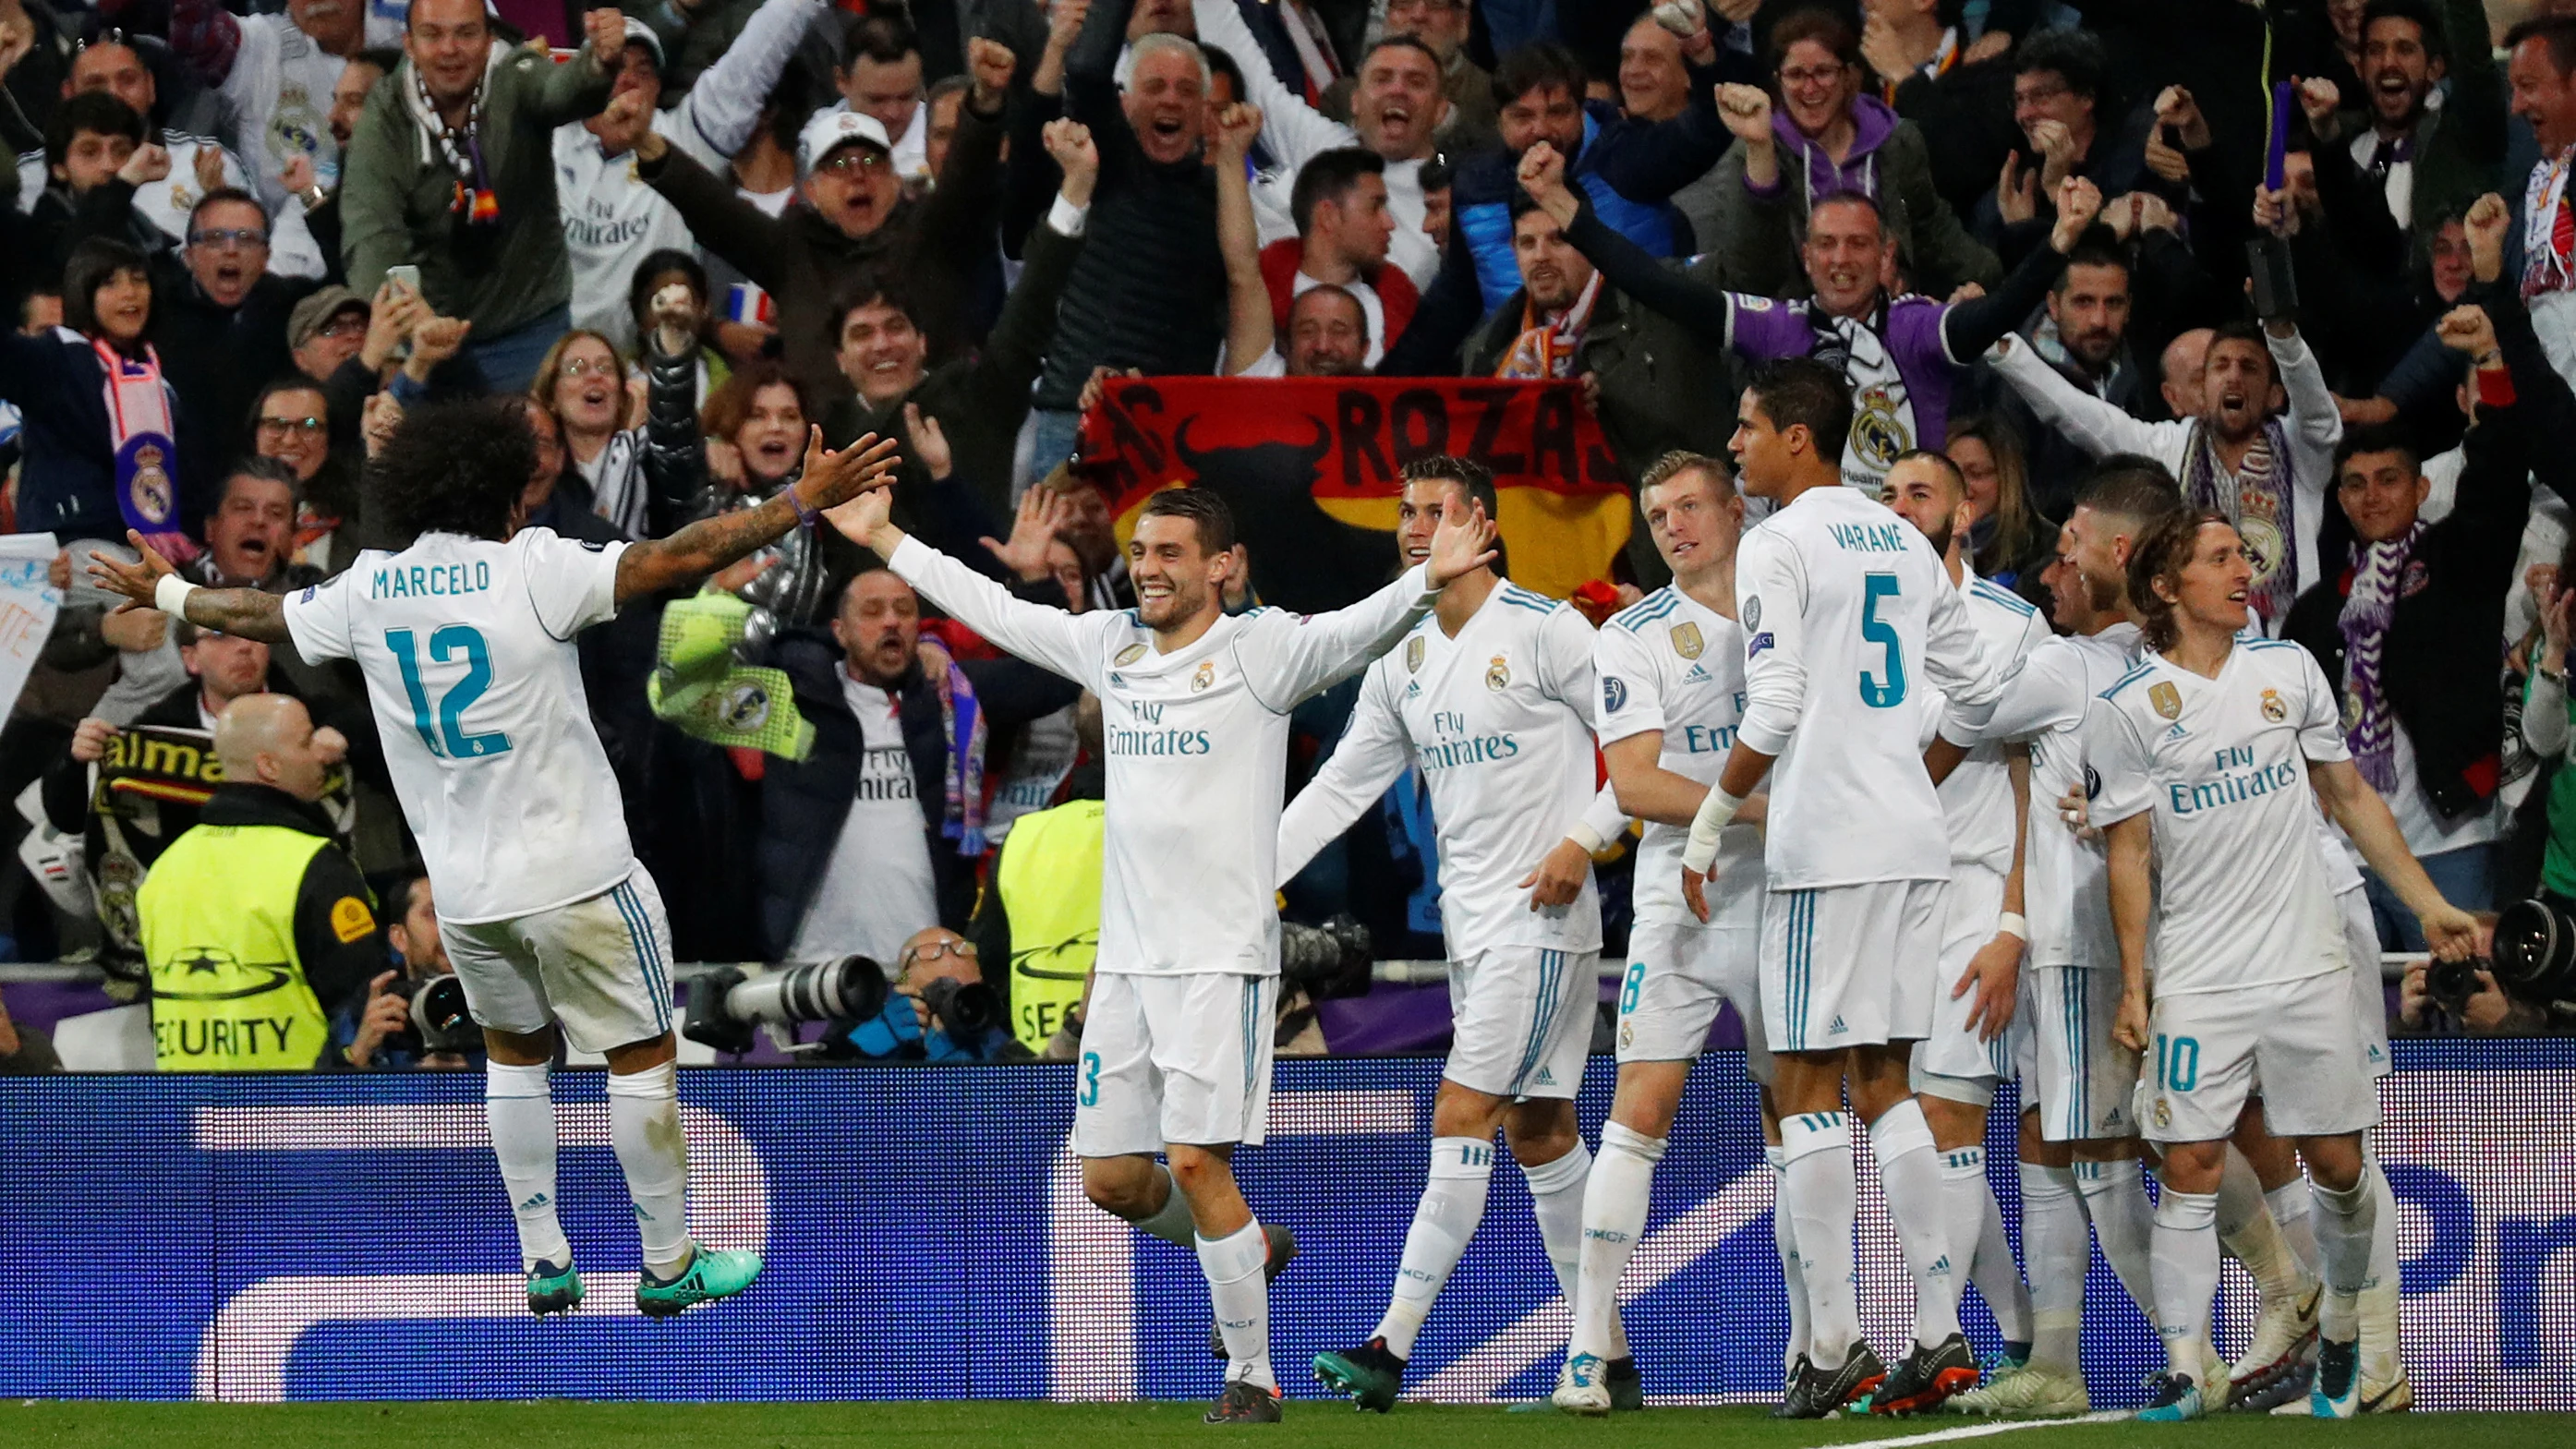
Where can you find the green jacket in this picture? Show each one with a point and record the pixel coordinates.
(398, 192)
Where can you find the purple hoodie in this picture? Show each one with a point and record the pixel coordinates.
(1872, 124)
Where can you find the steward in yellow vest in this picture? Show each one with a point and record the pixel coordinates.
(255, 925)
(1047, 880)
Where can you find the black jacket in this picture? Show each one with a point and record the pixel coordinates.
(804, 802)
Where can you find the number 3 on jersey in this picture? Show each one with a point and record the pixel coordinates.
(1882, 691)
(448, 736)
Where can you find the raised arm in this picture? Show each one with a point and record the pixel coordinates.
(709, 544)
(713, 209)
(2098, 427)
(715, 119)
(243, 613)
(578, 88)
(1371, 753)
(1318, 650)
(1624, 264)
(1295, 130)
(1971, 327)
(1049, 638)
(1250, 332)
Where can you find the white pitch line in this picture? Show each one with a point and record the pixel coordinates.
(1979, 1431)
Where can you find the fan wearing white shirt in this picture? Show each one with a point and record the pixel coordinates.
(2213, 753)
(466, 639)
(1177, 1044)
(1488, 699)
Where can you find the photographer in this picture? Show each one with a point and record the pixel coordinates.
(2486, 1011)
(941, 1010)
(383, 1032)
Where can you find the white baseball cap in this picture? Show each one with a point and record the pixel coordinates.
(828, 131)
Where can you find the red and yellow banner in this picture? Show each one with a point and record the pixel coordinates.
(1309, 466)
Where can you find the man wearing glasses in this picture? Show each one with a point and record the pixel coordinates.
(940, 1009)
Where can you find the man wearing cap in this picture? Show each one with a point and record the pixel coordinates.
(850, 215)
(325, 330)
(611, 219)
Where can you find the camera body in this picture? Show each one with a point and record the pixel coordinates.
(725, 1004)
(1326, 961)
(440, 1019)
(966, 1010)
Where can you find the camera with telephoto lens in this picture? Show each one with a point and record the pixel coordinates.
(725, 1004)
(966, 1009)
(2533, 960)
(440, 1020)
(1330, 960)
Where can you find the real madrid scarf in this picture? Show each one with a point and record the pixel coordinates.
(139, 428)
(1544, 349)
(961, 718)
(460, 146)
(2368, 727)
(2258, 499)
(2548, 230)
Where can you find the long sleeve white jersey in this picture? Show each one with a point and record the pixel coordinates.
(2242, 894)
(467, 649)
(1848, 615)
(1977, 799)
(1198, 746)
(1495, 720)
(1671, 663)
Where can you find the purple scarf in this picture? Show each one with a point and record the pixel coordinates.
(2258, 498)
(962, 716)
(2369, 728)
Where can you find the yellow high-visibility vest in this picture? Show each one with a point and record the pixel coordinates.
(228, 987)
(1050, 885)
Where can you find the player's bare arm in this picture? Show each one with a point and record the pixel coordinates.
(829, 480)
(2132, 848)
(243, 613)
(2364, 816)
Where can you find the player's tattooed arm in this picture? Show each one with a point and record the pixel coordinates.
(243, 613)
(828, 480)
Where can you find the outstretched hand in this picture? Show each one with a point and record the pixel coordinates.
(831, 478)
(1542, 175)
(134, 582)
(1462, 544)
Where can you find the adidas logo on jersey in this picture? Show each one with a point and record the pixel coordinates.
(1546, 1078)
(1837, 1029)
(1697, 675)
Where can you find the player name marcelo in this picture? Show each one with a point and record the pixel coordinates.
(1871, 537)
(2233, 787)
(424, 581)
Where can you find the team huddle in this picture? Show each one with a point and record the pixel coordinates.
(1922, 842)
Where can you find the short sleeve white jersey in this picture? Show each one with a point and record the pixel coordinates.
(1495, 719)
(467, 649)
(1849, 616)
(1198, 749)
(1671, 663)
(2242, 896)
(1977, 799)
(2064, 881)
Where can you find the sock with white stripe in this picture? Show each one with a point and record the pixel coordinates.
(2054, 1244)
(2186, 1276)
(1615, 1198)
(1818, 1187)
(644, 1126)
(2115, 1202)
(1975, 1224)
(1793, 1273)
(1239, 1291)
(1910, 1170)
(1556, 1197)
(2345, 1221)
(519, 1108)
(1453, 1203)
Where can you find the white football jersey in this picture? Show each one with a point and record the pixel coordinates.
(1848, 616)
(467, 649)
(1671, 663)
(1977, 799)
(1494, 719)
(2242, 896)
(1198, 751)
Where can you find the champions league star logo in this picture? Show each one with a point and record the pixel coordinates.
(1686, 640)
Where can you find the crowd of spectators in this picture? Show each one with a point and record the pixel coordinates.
(242, 239)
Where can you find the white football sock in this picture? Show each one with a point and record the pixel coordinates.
(1909, 1167)
(644, 1125)
(2247, 1228)
(1453, 1203)
(2380, 1354)
(2345, 1221)
(519, 1109)
(2186, 1276)
(2115, 1202)
(2290, 1202)
(1556, 1196)
(1170, 1222)
(1793, 1273)
(1818, 1185)
(1976, 1229)
(2058, 1252)
(1240, 1293)
(1615, 1198)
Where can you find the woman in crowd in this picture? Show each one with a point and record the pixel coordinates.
(290, 421)
(2011, 541)
(593, 397)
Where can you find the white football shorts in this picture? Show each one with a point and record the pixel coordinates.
(1846, 966)
(600, 967)
(1522, 1021)
(1678, 975)
(1952, 1062)
(1174, 1059)
(2208, 1049)
(2083, 1083)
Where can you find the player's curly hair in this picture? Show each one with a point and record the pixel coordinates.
(2160, 553)
(456, 467)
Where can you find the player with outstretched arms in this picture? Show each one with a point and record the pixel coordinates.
(2208, 751)
(1672, 693)
(1489, 698)
(1177, 1039)
(466, 641)
(1985, 799)
(1847, 614)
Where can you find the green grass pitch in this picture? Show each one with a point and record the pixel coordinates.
(556, 1424)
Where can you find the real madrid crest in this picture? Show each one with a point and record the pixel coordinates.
(2273, 709)
(1498, 675)
(746, 707)
(1205, 676)
(2166, 698)
(1129, 655)
(2163, 1113)
(1686, 640)
(1414, 649)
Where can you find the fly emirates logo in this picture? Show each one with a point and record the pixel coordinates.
(2239, 780)
(1146, 735)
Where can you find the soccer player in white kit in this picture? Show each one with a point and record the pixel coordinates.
(1177, 1040)
(1671, 668)
(466, 641)
(1847, 615)
(1985, 799)
(2208, 751)
(1489, 699)
(2078, 1140)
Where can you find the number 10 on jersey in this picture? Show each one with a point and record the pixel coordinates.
(448, 737)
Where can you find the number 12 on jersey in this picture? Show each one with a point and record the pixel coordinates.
(1881, 691)
(448, 737)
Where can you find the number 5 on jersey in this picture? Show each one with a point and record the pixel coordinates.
(1882, 691)
(448, 736)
